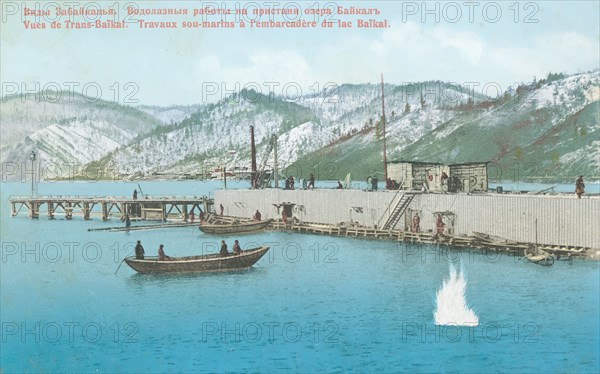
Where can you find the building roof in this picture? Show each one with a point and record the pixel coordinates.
(414, 162)
(438, 163)
(470, 163)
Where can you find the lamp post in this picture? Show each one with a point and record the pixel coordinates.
(32, 157)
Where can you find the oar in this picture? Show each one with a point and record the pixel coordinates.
(140, 187)
(121, 263)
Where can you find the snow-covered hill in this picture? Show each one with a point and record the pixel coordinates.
(170, 115)
(552, 123)
(550, 130)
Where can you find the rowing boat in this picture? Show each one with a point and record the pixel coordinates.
(197, 264)
(233, 227)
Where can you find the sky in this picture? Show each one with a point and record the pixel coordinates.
(481, 43)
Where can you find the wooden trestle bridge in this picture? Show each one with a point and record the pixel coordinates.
(159, 208)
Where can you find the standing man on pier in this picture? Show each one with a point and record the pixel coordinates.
(579, 187)
(416, 223)
(439, 226)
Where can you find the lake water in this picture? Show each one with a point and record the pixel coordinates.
(312, 304)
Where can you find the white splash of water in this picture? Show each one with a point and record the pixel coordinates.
(451, 303)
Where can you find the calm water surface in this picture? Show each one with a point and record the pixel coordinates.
(313, 304)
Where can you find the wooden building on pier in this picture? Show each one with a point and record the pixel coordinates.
(428, 176)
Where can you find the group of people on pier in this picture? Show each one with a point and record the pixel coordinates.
(415, 225)
(290, 183)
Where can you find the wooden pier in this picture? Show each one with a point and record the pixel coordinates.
(479, 241)
(148, 208)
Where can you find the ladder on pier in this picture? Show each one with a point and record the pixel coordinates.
(399, 209)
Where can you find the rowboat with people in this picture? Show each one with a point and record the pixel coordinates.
(197, 264)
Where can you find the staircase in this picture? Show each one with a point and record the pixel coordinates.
(399, 209)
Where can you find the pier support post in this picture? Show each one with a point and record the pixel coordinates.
(50, 205)
(164, 212)
(185, 213)
(33, 210)
(104, 211)
(13, 209)
(86, 211)
(143, 212)
(68, 211)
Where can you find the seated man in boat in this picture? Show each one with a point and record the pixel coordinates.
(161, 254)
(236, 248)
(257, 216)
(223, 251)
(139, 251)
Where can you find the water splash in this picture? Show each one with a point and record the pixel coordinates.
(451, 303)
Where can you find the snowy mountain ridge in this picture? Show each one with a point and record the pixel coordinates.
(428, 121)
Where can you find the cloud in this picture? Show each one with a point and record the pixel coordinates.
(262, 66)
(468, 45)
(414, 52)
(413, 40)
(567, 52)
